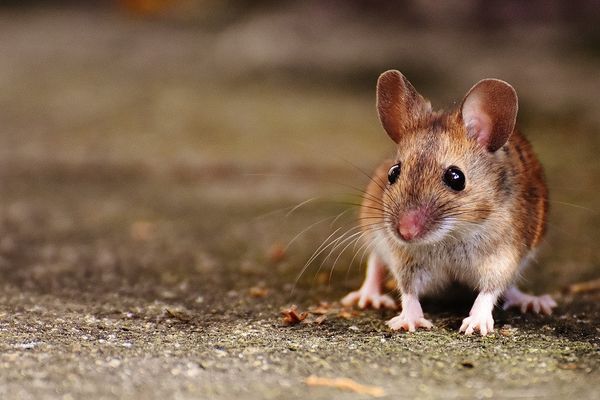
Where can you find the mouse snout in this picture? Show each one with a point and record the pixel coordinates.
(411, 224)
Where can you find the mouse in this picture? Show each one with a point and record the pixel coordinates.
(463, 200)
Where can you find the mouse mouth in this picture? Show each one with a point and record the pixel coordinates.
(418, 226)
(437, 233)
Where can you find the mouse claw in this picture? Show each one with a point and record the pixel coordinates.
(484, 323)
(364, 298)
(525, 302)
(404, 322)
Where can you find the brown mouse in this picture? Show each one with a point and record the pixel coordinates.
(463, 200)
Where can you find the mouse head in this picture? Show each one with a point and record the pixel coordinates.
(449, 173)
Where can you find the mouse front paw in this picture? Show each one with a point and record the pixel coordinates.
(409, 323)
(364, 298)
(482, 322)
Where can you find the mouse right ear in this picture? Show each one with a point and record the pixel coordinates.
(489, 112)
(398, 104)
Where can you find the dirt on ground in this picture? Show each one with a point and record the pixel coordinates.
(160, 201)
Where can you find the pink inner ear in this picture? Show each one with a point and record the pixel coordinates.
(477, 122)
(480, 128)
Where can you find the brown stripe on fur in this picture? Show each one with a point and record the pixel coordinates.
(531, 188)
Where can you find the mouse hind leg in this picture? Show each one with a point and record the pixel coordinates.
(369, 293)
(514, 298)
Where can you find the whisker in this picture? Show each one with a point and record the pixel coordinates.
(315, 254)
(367, 228)
(356, 240)
(338, 217)
(359, 190)
(338, 244)
(365, 245)
(562, 203)
(301, 205)
(327, 244)
(304, 231)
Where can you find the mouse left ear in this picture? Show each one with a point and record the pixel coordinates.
(489, 112)
(399, 105)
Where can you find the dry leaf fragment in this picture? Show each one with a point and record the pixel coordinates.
(345, 384)
(323, 278)
(320, 319)
(291, 316)
(323, 308)
(568, 366)
(347, 313)
(179, 315)
(258, 291)
(506, 330)
(276, 253)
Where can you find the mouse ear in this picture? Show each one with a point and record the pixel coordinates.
(489, 112)
(398, 104)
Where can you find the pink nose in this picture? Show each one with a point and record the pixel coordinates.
(411, 224)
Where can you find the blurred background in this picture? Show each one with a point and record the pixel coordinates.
(157, 146)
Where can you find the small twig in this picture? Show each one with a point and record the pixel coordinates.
(583, 287)
(345, 384)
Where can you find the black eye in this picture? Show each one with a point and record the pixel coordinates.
(394, 173)
(454, 178)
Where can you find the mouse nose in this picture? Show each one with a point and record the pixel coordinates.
(411, 224)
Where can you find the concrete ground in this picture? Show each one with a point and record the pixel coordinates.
(149, 239)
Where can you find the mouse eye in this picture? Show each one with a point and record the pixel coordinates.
(454, 178)
(394, 173)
